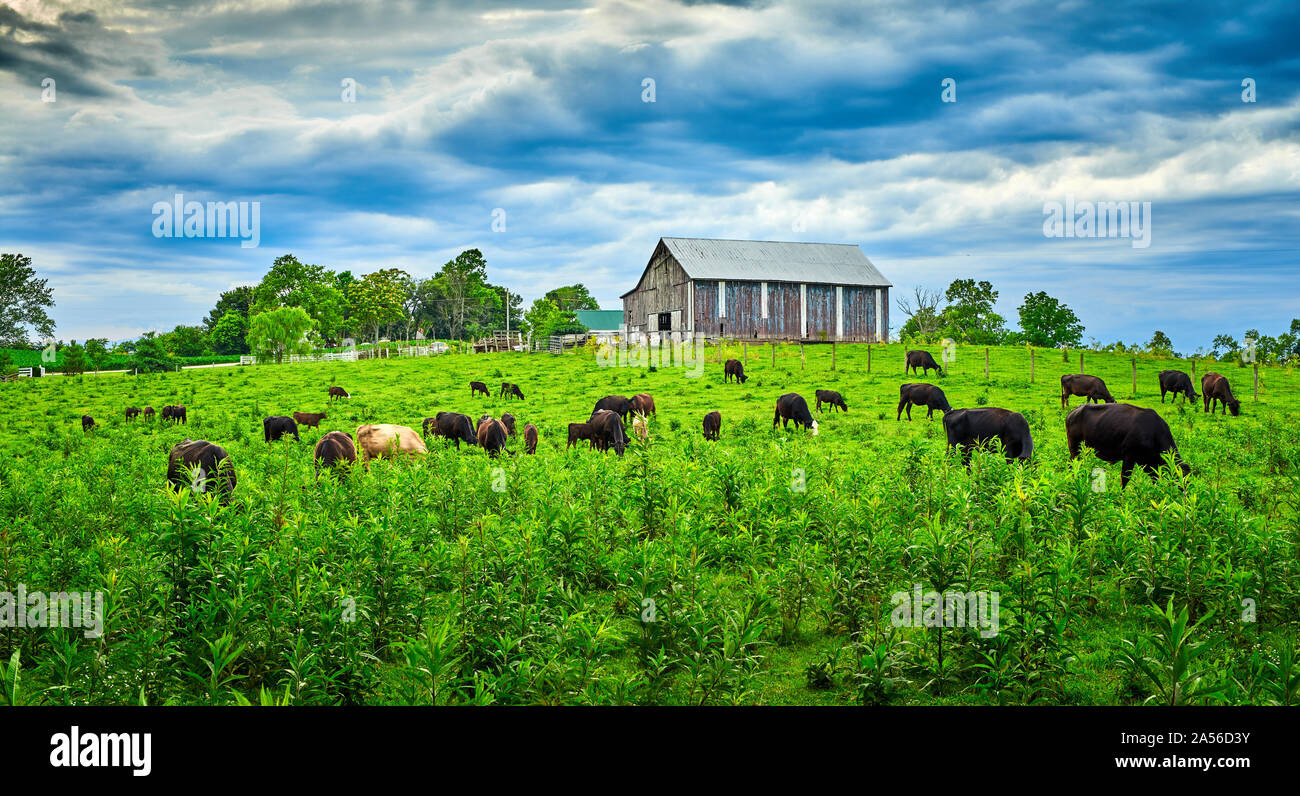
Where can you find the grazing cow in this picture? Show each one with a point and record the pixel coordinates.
(509, 390)
(712, 425)
(508, 420)
(927, 395)
(792, 406)
(338, 392)
(643, 404)
(578, 431)
(734, 369)
(334, 449)
(195, 463)
(831, 398)
(607, 431)
(476, 387)
(1122, 433)
(1091, 387)
(132, 413)
(492, 436)
(1215, 390)
(530, 438)
(1178, 383)
(277, 426)
(309, 419)
(971, 427)
(87, 423)
(617, 404)
(147, 412)
(384, 439)
(922, 360)
(453, 426)
(640, 427)
(176, 414)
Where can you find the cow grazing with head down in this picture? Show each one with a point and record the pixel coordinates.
(176, 414)
(509, 390)
(508, 420)
(968, 428)
(1215, 390)
(309, 419)
(620, 405)
(385, 439)
(607, 431)
(530, 438)
(792, 406)
(338, 392)
(87, 423)
(712, 425)
(640, 427)
(1122, 433)
(452, 426)
(927, 395)
(1178, 383)
(132, 413)
(333, 450)
(920, 360)
(733, 369)
(492, 436)
(1090, 387)
(577, 432)
(476, 387)
(202, 467)
(147, 412)
(643, 404)
(832, 399)
(277, 426)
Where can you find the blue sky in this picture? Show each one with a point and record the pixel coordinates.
(818, 121)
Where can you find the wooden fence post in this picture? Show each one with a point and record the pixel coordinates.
(746, 353)
(1080, 361)
(803, 363)
(868, 358)
(1193, 372)
(773, 353)
(986, 362)
(832, 355)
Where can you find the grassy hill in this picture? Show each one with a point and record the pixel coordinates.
(771, 558)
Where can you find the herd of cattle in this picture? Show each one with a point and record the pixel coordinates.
(1115, 432)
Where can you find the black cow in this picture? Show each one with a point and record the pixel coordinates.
(530, 438)
(733, 369)
(1091, 387)
(509, 390)
(201, 466)
(927, 395)
(334, 449)
(87, 423)
(920, 359)
(492, 436)
(147, 412)
(476, 387)
(1215, 390)
(176, 414)
(971, 427)
(713, 425)
(132, 413)
(508, 420)
(618, 404)
(338, 392)
(1122, 433)
(277, 426)
(792, 406)
(578, 431)
(831, 398)
(1178, 383)
(453, 426)
(607, 431)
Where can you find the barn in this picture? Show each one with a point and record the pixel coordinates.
(750, 289)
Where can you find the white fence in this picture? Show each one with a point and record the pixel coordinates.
(354, 355)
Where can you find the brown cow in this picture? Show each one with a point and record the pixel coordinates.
(492, 436)
(920, 359)
(508, 420)
(309, 419)
(384, 439)
(476, 387)
(147, 412)
(712, 425)
(1215, 390)
(509, 390)
(530, 438)
(832, 399)
(927, 395)
(338, 392)
(733, 369)
(578, 431)
(607, 431)
(642, 403)
(132, 413)
(87, 423)
(175, 414)
(334, 449)
(1091, 387)
(194, 462)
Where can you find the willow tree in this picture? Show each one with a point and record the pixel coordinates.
(275, 333)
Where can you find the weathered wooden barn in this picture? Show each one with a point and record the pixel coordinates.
(760, 289)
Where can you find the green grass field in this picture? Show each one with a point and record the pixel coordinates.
(758, 569)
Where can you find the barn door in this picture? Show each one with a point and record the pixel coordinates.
(652, 323)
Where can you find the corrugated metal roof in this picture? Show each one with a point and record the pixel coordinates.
(775, 261)
(599, 320)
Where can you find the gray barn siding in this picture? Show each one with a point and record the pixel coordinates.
(821, 312)
(662, 289)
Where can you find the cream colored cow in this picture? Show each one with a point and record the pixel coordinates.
(384, 439)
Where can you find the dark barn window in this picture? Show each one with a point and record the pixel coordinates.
(665, 321)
